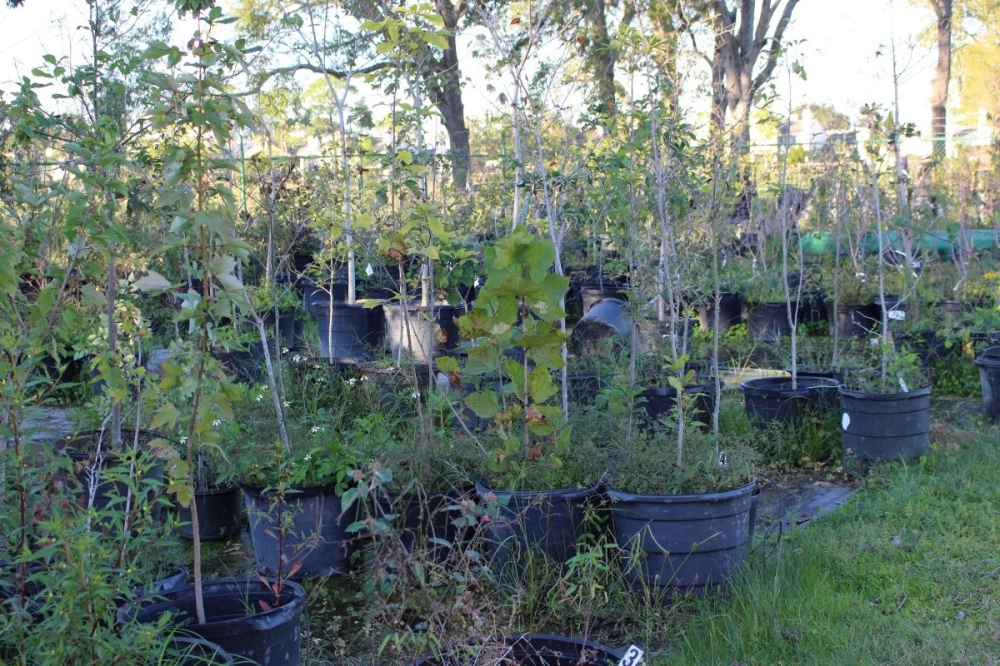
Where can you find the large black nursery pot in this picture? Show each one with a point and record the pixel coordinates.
(681, 544)
(730, 312)
(289, 327)
(314, 544)
(243, 616)
(768, 322)
(770, 400)
(660, 401)
(348, 331)
(854, 321)
(426, 520)
(989, 377)
(421, 333)
(885, 426)
(547, 521)
(220, 514)
(99, 475)
(526, 650)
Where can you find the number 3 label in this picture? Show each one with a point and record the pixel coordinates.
(633, 657)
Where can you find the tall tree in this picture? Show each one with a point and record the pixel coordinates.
(745, 30)
(315, 36)
(942, 77)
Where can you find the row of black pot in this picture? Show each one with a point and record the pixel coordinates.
(875, 426)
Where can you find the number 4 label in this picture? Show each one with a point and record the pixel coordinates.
(633, 657)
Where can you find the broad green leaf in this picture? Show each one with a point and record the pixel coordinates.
(484, 404)
(540, 384)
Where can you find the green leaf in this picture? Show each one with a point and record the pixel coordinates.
(167, 415)
(436, 39)
(447, 364)
(484, 404)
(540, 384)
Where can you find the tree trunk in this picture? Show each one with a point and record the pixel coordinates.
(942, 78)
(445, 85)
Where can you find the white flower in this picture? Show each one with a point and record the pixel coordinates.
(259, 398)
(284, 350)
(351, 382)
(414, 395)
(184, 440)
(216, 423)
(315, 429)
(874, 341)
(296, 358)
(285, 404)
(308, 457)
(364, 379)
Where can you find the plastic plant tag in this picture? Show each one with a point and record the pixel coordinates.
(845, 421)
(898, 315)
(633, 657)
(369, 271)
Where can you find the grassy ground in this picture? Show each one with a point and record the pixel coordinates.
(908, 572)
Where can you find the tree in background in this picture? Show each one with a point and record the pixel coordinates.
(942, 77)
(744, 33)
(978, 60)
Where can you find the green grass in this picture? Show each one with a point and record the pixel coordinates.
(908, 572)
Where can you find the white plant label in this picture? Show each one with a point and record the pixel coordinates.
(369, 271)
(633, 657)
(845, 421)
(898, 315)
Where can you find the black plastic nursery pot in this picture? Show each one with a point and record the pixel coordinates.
(770, 400)
(220, 514)
(244, 617)
(855, 321)
(989, 377)
(681, 544)
(526, 650)
(348, 331)
(660, 401)
(426, 520)
(885, 426)
(730, 312)
(768, 322)
(99, 480)
(288, 325)
(422, 333)
(548, 521)
(315, 543)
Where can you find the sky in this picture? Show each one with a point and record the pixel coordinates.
(843, 45)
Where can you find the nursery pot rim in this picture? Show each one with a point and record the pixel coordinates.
(569, 494)
(295, 602)
(267, 492)
(806, 383)
(886, 397)
(990, 358)
(625, 497)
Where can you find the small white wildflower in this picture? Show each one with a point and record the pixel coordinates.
(874, 341)
(216, 423)
(351, 382)
(285, 404)
(259, 398)
(308, 457)
(184, 440)
(364, 379)
(296, 359)
(414, 395)
(284, 350)
(315, 429)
